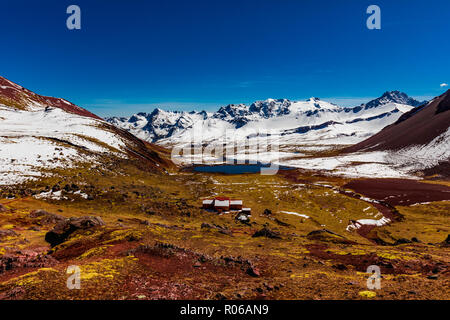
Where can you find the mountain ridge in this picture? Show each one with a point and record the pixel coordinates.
(14, 95)
(419, 126)
(162, 125)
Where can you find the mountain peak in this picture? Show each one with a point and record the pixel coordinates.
(157, 111)
(394, 96)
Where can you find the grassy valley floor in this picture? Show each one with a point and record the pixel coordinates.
(157, 242)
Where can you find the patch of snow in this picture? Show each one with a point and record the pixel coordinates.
(57, 195)
(296, 214)
(359, 223)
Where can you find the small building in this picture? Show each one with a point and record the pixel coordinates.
(235, 204)
(208, 204)
(221, 204)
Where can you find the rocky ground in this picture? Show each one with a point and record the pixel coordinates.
(142, 235)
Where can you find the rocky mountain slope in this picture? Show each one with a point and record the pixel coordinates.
(40, 134)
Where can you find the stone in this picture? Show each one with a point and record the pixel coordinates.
(265, 232)
(402, 241)
(64, 229)
(326, 235)
(252, 271)
(340, 266)
(220, 229)
(45, 217)
(447, 241)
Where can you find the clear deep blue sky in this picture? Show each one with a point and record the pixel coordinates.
(131, 56)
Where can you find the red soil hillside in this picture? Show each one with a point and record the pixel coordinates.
(13, 95)
(416, 127)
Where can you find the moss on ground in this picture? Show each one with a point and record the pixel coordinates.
(144, 209)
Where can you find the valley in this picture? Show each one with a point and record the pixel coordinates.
(77, 191)
(157, 242)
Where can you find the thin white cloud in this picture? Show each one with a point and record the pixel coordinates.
(444, 85)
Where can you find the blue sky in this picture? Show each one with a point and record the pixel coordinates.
(132, 56)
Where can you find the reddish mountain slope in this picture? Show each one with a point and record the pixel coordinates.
(416, 127)
(13, 95)
(41, 134)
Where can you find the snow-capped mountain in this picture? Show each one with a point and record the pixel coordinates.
(40, 134)
(419, 140)
(295, 122)
(393, 96)
(157, 125)
(418, 143)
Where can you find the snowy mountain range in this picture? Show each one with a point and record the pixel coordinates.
(388, 136)
(295, 122)
(309, 134)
